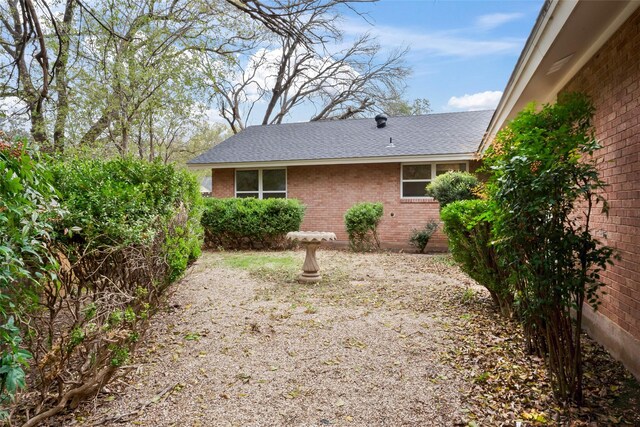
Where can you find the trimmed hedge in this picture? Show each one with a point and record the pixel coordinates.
(470, 243)
(250, 223)
(106, 248)
(361, 222)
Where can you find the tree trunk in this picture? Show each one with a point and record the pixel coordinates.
(60, 71)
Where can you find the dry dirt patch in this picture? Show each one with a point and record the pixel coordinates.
(383, 340)
(244, 344)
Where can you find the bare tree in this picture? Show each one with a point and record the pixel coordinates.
(41, 52)
(293, 71)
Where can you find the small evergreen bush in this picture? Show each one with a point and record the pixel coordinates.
(453, 186)
(420, 238)
(252, 223)
(361, 222)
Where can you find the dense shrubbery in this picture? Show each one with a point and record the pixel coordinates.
(250, 223)
(469, 231)
(534, 232)
(453, 186)
(97, 272)
(420, 238)
(545, 187)
(27, 213)
(361, 222)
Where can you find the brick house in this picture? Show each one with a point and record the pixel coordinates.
(594, 47)
(331, 165)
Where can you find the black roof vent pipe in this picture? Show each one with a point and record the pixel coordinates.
(381, 121)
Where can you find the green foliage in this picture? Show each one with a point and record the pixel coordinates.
(420, 238)
(124, 202)
(546, 187)
(452, 186)
(467, 225)
(27, 212)
(240, 223)
(13, 361)
(361, 222)
(84, 267)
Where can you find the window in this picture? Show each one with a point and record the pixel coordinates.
(262, 183)
(415, 177)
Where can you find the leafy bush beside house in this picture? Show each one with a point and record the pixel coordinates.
(361, 222)
(468, 227)
(250, 223)
(453, 186)
(129, 228)
(546, 186)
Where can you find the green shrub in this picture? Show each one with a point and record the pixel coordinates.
(250, 222)
(546, 189)
(361, 222)
(453, 186)
(28, 210)
(129, 228)
(470, 243)
(124, 202)
(420, 238)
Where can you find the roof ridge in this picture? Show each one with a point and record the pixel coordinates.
(368, 118)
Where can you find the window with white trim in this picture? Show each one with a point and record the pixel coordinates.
(416, 176)
(261, 183)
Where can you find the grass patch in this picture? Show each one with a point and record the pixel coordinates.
(258, 261)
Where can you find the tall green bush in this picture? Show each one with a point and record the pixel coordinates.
(250, 222)
(361, 222)
(468, 227)
(546, 189)
(453, 186)
(129, 228)
(28, 210)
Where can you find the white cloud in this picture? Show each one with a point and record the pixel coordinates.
(494, 20)
(476, 101)
(443, 43)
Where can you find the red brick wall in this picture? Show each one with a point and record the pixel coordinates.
(328, 191)
(612, 79)
(222, 183)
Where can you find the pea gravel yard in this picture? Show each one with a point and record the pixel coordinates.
(382, 340)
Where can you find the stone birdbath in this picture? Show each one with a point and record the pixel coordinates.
(311, 240)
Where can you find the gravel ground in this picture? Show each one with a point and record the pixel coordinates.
(382, 340)
(245, 345)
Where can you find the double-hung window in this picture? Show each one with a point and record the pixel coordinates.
(416, 176)
(261, 183)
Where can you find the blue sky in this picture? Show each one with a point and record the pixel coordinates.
(457, 48)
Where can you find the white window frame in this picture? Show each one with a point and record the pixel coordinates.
(260, 190)
(433, 175)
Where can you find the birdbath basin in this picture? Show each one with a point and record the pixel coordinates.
(311, 240)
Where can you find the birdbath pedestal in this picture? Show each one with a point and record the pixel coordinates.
(311, 240)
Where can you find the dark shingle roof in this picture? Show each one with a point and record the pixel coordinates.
(431, 134)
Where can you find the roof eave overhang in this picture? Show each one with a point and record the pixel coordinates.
(337, 161)
(555, 37)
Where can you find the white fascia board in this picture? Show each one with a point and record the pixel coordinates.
(345, 161)
(546, 32)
